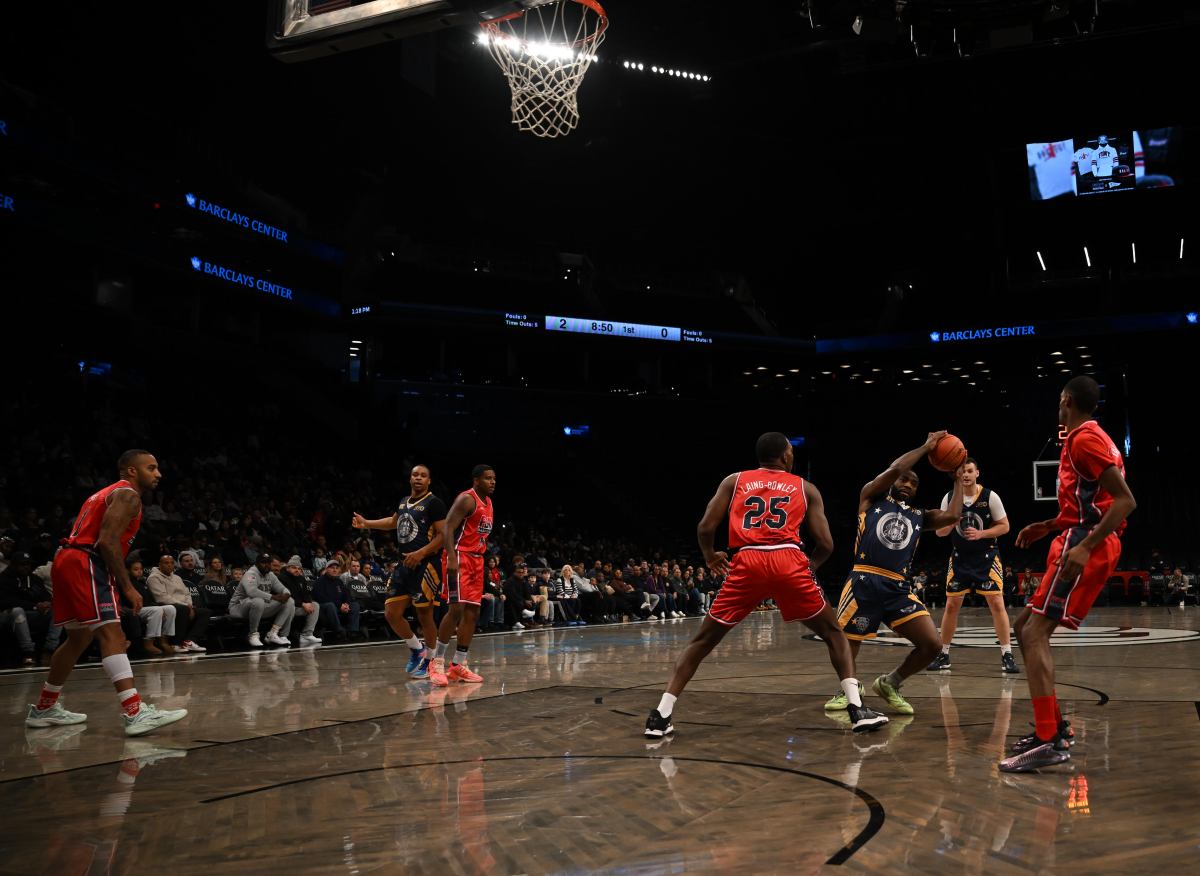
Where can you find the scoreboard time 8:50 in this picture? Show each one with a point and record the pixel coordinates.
(617, 329)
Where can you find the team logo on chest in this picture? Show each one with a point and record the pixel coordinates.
(485, 525)
(969, 520)
(406, 528)
(894, 531)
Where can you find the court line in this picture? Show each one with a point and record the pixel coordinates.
(875, 808)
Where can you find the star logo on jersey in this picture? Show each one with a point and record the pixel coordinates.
(195, 263)
(894, 531)
(485, 526)
(190, 198)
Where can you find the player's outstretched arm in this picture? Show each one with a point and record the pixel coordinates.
(820, 539)
(883, 482)
(706, 532)
(940, 519)
(360, 522)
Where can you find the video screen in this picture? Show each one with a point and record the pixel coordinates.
(1099, 163)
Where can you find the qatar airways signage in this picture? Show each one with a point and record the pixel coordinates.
(983, 334)
(235, 218)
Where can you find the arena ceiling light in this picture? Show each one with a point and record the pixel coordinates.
(1133, 251)
(1181, 247)
(1041, 261)
(1087, 257)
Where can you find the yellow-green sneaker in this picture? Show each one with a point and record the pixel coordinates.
(837, 703)
(889, 693)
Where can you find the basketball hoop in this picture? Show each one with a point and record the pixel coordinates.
(544, 53)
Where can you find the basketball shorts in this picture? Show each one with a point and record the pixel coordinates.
(868, 600)
(85, 594)
(983, 575)
(1068, 600)
(465, 586)
(754, 575)
(420, 586)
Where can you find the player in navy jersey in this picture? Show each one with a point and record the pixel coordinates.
(766, 507)
(420, 523)
(877, 590)
(975, 563)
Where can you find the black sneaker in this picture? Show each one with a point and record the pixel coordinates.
(1008, 663)
(864, 720)
(1043, 754)
(1030, 740)
(657, 726)
(941, 661)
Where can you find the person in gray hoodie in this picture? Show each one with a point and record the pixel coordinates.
(262, 595)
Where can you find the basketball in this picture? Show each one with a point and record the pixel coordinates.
(948, 454)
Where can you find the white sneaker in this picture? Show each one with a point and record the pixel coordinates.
(254, 640)
(679, 614)
(149, 718)
(276, 639)
(645, 606)
(310, 642)
(526, 613)
(518, 626)
(192, 646)
(54, 716)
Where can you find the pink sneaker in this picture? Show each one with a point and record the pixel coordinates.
(437, 672)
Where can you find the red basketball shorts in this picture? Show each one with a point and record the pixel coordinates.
(1068, 600)
(782, 575)
(467, 586)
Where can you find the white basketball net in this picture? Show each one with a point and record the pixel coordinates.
(545, 53)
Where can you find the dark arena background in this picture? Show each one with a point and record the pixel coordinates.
(294, 249)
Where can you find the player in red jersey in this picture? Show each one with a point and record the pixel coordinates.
(85, 575)
(470, 523)
(766, 508)
(1093, 502)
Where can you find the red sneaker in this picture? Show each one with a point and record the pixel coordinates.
(460, 672)
(437, 672)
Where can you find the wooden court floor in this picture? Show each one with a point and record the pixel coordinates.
(330, 761)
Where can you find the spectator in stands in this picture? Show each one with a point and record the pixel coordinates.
(8, 547)
(1178, 588)
(307, 608)
(191, 620)
(518, 598)
(491, 609)
(653, 590)
(595, 597)
(918, 584)
(235, 576)
(189, 567)
(566, 593)
(541, 598)
(629, 600)
(354, 574)
(25, 603)
(157, 622)
(707, 585)
(260, 594)
(493, 572)
(216, 570)
(337, 605)
(679, 594)
(319, 560)
(693, 598)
